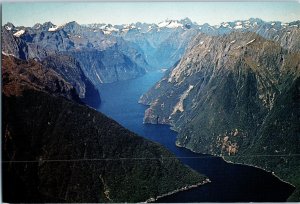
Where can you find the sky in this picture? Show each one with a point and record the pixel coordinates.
(27, 14)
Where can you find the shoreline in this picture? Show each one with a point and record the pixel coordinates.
(172, 127)
(238, 163)
(258, 167)
(205, 181)
(231, 162)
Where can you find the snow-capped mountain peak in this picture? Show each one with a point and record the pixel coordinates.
(238, 25)
(170, 24)
(56, 27)
(108, 29)
(225, 24)
(9, 26)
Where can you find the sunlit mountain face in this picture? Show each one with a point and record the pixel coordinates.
(229, 91)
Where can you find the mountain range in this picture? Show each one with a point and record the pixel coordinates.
(230, 90)
(236, 96)
(135, 48)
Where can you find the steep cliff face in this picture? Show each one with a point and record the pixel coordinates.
(12, 45)
(70, 69)
(107, 66)
(225, 97)
(45, 40)
(57, 150)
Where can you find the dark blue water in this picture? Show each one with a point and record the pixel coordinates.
(230, 182)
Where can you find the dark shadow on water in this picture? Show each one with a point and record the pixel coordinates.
(230, 182)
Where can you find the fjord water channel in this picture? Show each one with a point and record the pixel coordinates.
(229, 182)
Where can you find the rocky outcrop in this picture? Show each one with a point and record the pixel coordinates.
(225, 96)
(12, 45)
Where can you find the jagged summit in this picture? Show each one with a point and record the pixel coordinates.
(251, 24)
(37, 26)
(47, 25)
(9, 26)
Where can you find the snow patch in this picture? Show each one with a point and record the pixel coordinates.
(217, 26)
(174, 25)
(98, 77)
(251, 41)
(225, 24)
(163, 24)
(8, 28)
(37, 26)
(6, 54)
(128, 26)
(19, 33)
(56, 27)
(108, 29)
(238, 27)
(52, 29)
(169, 24)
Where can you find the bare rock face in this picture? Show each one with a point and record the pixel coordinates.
(116, 59)
(225, 96)
(107, 66)
(12, 45)
(69, 68)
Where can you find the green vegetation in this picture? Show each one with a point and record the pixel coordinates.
(244, 102)
(40, 127)
(57, 150)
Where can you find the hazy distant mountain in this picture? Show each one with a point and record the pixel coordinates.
(164, 43)
(139, 46)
